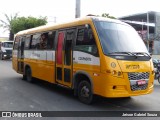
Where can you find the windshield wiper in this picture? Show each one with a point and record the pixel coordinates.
(142, 53)
(128, 53)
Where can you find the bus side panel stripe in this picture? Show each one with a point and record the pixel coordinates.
(85, 58)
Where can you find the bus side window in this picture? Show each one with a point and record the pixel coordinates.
(51, 39)
(86, 42)
(35, 41)
(70, 35)
(27, 42)
(42, 41)
(16, 43)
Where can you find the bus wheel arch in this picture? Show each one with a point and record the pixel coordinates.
(83, 87)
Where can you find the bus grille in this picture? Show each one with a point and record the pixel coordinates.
(134, 77)
(138, 76)
(141, 87)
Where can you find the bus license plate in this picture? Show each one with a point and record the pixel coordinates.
(141, 82)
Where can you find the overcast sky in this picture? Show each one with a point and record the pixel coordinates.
(65, 9)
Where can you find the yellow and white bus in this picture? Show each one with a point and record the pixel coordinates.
(91, 55)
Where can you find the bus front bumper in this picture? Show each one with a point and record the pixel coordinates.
(121, 91)
(114, 87)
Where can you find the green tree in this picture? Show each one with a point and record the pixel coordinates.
(7, 24)
(23, 23)
(108, 16)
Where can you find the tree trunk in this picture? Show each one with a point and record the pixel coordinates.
(11, 36)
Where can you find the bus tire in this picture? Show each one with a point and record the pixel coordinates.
(85, 94)
(28, 75)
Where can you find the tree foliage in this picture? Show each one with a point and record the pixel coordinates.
(23, 23)
(7, 24)
(108, 16)
(14, 24)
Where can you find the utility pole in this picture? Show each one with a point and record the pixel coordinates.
(78, 9)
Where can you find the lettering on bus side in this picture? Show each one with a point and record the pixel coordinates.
(84, 58)
(36, 54)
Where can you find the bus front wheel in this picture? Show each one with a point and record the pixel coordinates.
(85, 94)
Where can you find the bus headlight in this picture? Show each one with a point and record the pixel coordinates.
(119, 73)
(115, 73)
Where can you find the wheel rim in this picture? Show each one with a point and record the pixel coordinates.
(85, 92)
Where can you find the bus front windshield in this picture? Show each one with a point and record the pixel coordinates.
(119, 37)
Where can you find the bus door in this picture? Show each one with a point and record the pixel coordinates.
(20, 55)
(64, 57)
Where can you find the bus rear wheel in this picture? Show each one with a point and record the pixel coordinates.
(85, 94)
(28, 75)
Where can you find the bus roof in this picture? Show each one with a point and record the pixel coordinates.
(73, 23)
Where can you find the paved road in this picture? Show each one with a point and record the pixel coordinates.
(19, 95)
